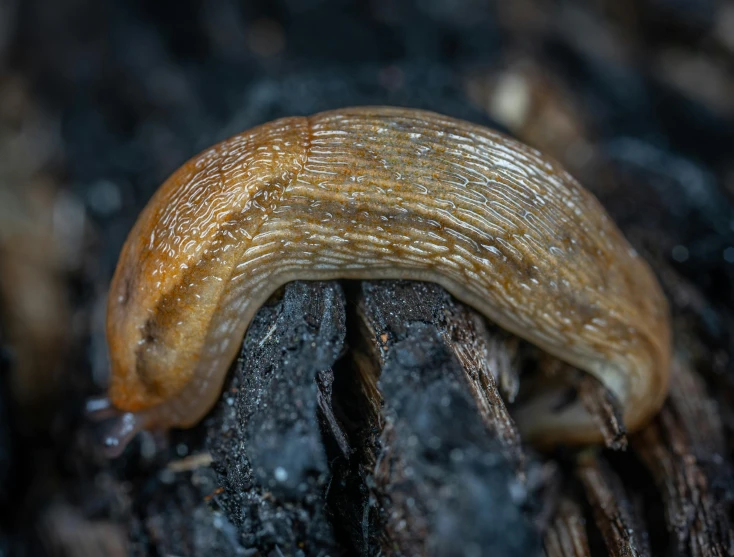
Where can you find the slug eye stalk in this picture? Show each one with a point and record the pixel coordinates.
(376, 193)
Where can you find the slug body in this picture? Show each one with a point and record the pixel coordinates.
(376, 193)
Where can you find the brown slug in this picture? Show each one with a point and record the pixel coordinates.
(378, 193)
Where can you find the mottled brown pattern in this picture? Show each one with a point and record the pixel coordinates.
(380, 193)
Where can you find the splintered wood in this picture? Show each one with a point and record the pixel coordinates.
(614, 513)
(404, 390)
(448, 462)
(379, 420)
(684, 451)
(566, 535)
(599, 402)
(604, 407)
(484, 355)
(437, 444)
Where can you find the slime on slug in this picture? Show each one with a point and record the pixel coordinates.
(379, 193)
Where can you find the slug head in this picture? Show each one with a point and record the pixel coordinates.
(178, 258)
(167, 284)
(157, 317)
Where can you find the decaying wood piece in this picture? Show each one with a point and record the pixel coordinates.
(439, 477)
(487, 357)
(599, 402)
(483, 355)
(444, 458)
(402, 444)
(699, 416)
(614, 513)
(566, 535)
(405, 445)
(325, 381)
(604, 407)
(683, 450)
(273, 466)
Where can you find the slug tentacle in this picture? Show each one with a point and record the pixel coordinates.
(116, 429)
(372, 193)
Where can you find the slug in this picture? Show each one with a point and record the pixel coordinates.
(378, 193)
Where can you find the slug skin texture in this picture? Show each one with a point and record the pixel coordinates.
(377, 193)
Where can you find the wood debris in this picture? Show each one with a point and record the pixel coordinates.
(614, 512)
(566, 535)
(683, 451)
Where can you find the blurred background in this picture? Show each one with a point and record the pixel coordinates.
(101, 100)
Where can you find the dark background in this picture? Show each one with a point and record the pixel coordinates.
(101, 100)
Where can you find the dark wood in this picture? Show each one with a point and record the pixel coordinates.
(266, 440)
(683, 449)
(604, 408)
(614, 513)
(447, 461)
(566, 535)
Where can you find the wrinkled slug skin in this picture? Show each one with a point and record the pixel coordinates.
(373, 193)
